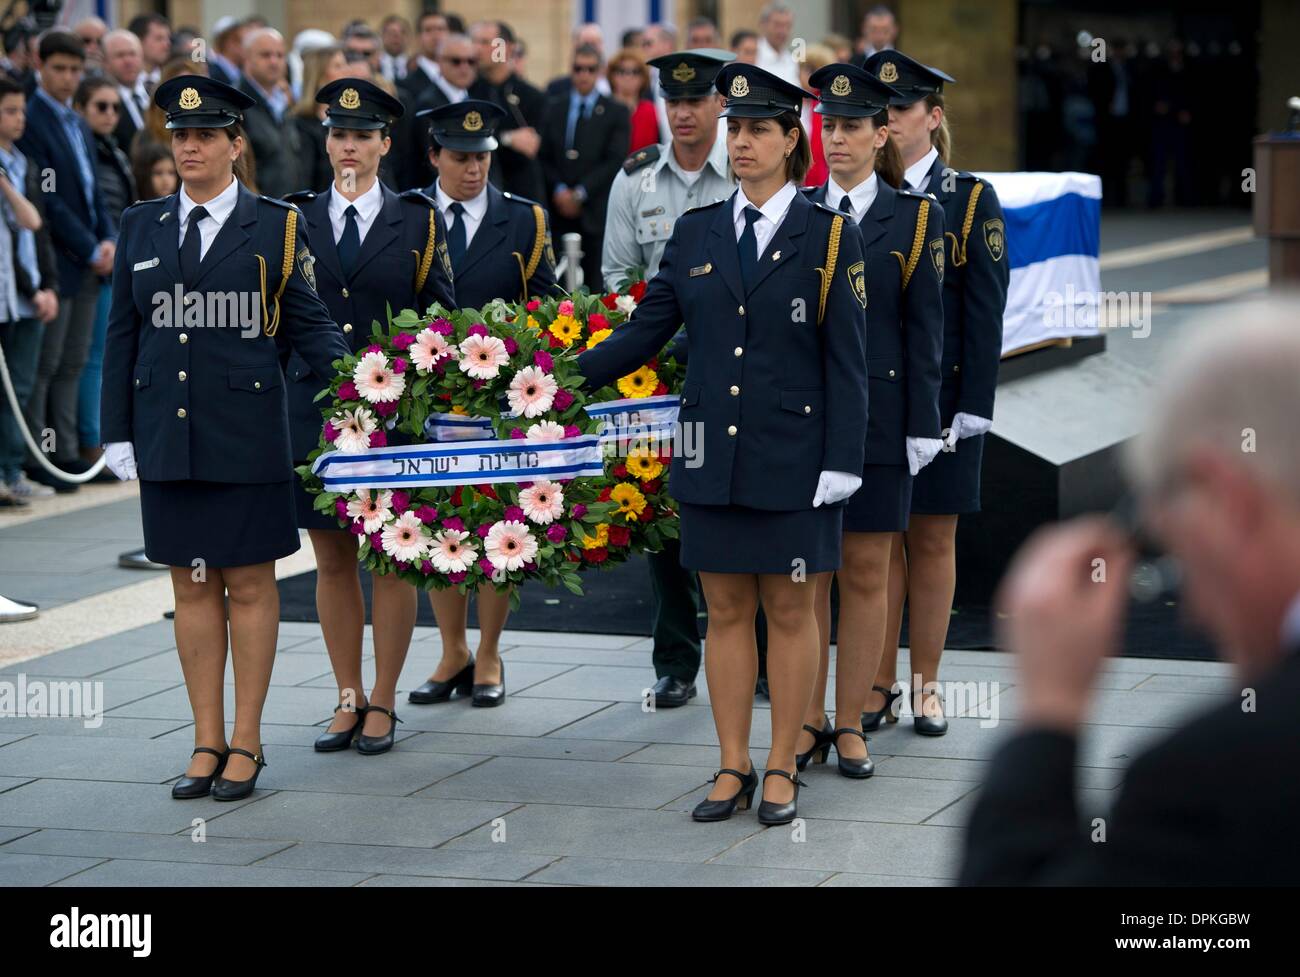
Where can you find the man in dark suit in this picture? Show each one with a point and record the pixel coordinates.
(59, 141)
(124, 65)
(515, 166)
(1216, 801)
(584, 141)
(279, 158)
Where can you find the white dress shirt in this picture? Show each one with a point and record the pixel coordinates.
(454, 95)
(368, 205)
(134, 101)
(429, 67)
(773, 212)
(780, 63)
(219, 209)
(475, 210)
(861, 197)
(917, 176)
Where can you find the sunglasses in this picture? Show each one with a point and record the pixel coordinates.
(585, 69)
(472, 62)
(627, 71)
(107, 106)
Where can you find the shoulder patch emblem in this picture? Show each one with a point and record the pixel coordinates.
(936, 256)
(995, 238)
(858, 279)
(307, 265)
(549, 248)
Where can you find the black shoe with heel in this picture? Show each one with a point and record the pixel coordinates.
(859, 768)
(236, 790)
(769, 812)
(708, 810)
(821, 747)
(490, 693)
(461, 683)
(928, 725)
(372, 745)
(886, 713)
(341, 739)
(190, 787)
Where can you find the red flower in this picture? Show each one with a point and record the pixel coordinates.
(486, 490)
(596, 322)
(647, 513)
(610, 301)
(661, 389)
(652, 486)
(604, 494)
(620, 470)
(619, 535)
(598, 555)
(636, 291)
(455, 497)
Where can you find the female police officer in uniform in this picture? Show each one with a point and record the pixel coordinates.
(500, 248)
(770, 287)
(974, 296)
(902, 237)
(200, 412)
(375, 250)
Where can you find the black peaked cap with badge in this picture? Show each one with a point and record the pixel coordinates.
(465, 127)
(354, 103)
(200, 102)
(690, 74)
(850, 91)
(912, 80)
(753, 93)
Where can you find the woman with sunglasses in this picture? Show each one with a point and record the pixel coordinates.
(902, 237)
(771, 289)
(924, 571)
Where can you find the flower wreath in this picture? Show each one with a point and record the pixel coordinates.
(466, 363)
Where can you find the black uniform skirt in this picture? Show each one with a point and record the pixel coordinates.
(883, 501)
(950, 484)
(737, 539)
(306, 516)
(225, 524)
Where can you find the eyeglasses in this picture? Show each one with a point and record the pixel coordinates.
(107, 106)
(627, 71)
(1155, 575)
(459, 62)
(585, 69)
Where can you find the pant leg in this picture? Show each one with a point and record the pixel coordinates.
(22, 346)
(53, 341)
(677, 605)
(65, 383)
(93, 374)
(760, 637)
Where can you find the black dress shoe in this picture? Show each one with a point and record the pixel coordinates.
(371, 745)
(189, 787)
(672, 692)
(928, 725)
(341, 739)
(708, 810)
(769, 812)
(859, 768)
(490, 694)
(462, 682)
(886, 713)
(821, 747)
(236, 790)
(760, 687)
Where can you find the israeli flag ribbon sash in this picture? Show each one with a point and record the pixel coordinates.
(637, 418)
(457, 427)
(460, 463)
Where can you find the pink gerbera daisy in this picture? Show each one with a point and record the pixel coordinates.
(483, 356)
(451, 553)
(532, 391)
(353, 429)
(542, 502)
(404, 538)
(376, 380)
(509, 545)
(371, 507)
(546, 431)
(430, 348)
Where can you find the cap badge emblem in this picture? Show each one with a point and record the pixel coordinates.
(473, 122)
(349, 99)
(683, 73)
(739, 87)
(190, 98)
(889, 72)
(840, 86)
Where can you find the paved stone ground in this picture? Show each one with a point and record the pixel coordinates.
(591, 789)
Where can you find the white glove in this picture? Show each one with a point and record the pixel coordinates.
(835, 487)
(120, 458)
(922, 451)
(966, 426)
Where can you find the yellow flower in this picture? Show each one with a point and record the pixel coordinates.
(533, 324)
(642, 383)
(597, 336)
(601, 538)
(644, 464)
(566, 329)
(630, 500)
(457, 409)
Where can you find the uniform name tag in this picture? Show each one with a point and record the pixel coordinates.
(652, 212)
(142, 265)
(701, 270)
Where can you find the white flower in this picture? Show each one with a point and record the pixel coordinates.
(373, 508)
(483, 356)
(404, 539)
(375, 379)
(542, 502)
(510, 545)
(532, 391)
(545, 431)
(353, 429)
(429, 347)
(625, 304)
(450, 553)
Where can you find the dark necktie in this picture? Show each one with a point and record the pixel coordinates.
(846, 204)
(350, 243)
(192, 246)
(748, 247)
(456, 234)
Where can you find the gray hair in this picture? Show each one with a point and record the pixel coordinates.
(1233, 386)
(775, 7)
(119, 34)
(450, 38)
(253, 36)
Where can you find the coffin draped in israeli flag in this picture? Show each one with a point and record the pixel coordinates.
(1053, 238)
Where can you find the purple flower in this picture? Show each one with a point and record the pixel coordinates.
(441, 325)
(400, 364)
(341, 508)
(426, 567)
(486, 566)
(377, 542)
(374, 348)
(483, 530)
(426, 514)
(454, 522)
(556, 533)
(330, 433)
(515, 513)
(478, 329)
(457, 577)
(571, 431)
(378, 439)
(403, 340)
(480, 384)
(515, 432)
(530, 566)
(403, 565)
(358, 528)
(386, 408)
(348, 391)
(401, 501)
(543, 359)
(512, 347)
(579, 510)
(563, 399)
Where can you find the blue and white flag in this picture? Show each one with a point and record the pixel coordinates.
(637, 418)
(1053, 246)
